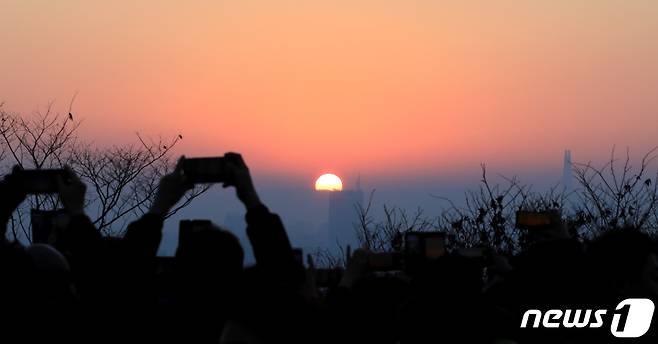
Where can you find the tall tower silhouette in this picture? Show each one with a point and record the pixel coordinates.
(567, 171)
(343, 215)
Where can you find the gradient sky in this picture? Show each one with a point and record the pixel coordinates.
(388, 88)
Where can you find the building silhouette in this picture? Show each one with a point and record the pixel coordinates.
(567, 172)
(343, 215)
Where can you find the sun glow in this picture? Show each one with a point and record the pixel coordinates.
(328, 182)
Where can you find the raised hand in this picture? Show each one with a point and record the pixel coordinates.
(238, 175)
(172, 188)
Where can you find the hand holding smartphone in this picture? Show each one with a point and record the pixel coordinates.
(421, 248)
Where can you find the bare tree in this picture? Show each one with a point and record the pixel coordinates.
(611, 196)
(616, 196)
(384, 235)
(122, 180)
(326, 259)
(487, 218)
(41, 141)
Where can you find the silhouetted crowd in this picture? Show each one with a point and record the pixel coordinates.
(86, 287)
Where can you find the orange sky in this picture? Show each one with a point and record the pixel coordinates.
(381, 87)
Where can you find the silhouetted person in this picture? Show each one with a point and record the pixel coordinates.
(547, 275)
(622, 264)
(272, 307)
(91, 288)
(209, 271)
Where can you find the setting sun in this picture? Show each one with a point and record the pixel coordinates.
(328, 182)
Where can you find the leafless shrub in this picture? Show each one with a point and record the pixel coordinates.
(122, 180)
(328, 259)
(616, 196)
(487, 218)
(611, 196)
(384, 235)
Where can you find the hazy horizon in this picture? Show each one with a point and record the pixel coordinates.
(305, 212)
(411, 95)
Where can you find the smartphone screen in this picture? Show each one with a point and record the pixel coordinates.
(204, 170)
(412, 243)
(528, 219)
(434, 247)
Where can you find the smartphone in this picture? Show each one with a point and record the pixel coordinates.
(40, 181)
(420, 248)
(530, 219)
(187, 229)
(205, 170)
(428, 245)
(412, 243)
(434, 244)
(44, 224)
